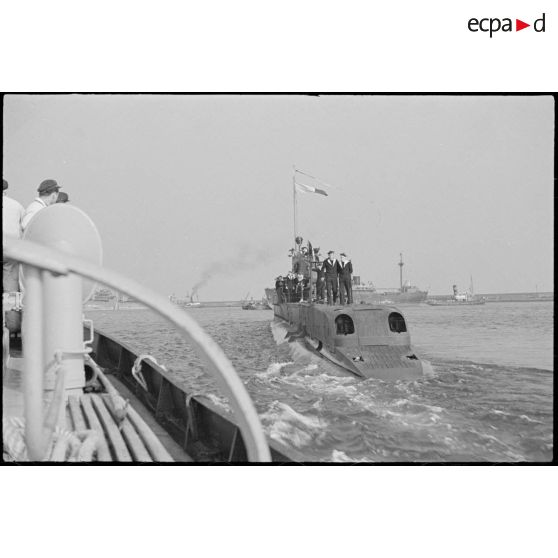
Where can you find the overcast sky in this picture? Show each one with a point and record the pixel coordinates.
(190, 189)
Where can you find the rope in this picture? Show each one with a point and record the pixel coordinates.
(64, 445)
(118, 403)
(136, 369)
(58, 444)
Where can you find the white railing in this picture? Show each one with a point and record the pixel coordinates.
(39, 257)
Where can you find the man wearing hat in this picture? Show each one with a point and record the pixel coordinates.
(62, 197)
(301, 263)
(345, 280)
(290, 286)
(331, 272)
(12, 212)
(279, 288)
(48, 194)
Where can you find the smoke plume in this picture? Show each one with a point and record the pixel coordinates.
(246, 258)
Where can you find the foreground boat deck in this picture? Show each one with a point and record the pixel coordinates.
(138, 438)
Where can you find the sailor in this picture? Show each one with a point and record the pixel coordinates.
(331, 272)
(279, 287)
(317, 277)
(285, 289)
(295, 294)
(320, 285)
(290, 286)
(48, 194)
(62, 197)
(12, 212)
(301, 263)
(345, 280)
(301, 288)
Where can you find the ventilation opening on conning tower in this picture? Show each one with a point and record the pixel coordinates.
(344, 324)
(397, 322)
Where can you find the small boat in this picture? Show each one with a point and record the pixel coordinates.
(255, 304)
(187, 302)
(467, 298)
(248, 304)
(74, 394)
(454, 302)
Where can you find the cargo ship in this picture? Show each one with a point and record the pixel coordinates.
(405, 294)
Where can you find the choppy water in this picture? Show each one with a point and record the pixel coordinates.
(488, 396)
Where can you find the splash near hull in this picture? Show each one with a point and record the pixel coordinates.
(371, 341)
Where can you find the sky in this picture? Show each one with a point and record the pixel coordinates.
(197, 190)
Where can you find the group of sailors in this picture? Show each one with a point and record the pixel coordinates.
(15, 220)
(312, 280)
(292, 288)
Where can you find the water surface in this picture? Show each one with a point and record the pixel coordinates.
(488, 394)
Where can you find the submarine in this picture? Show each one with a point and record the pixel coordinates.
(371, 341)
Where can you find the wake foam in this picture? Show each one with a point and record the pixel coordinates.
(219, 401)
(338, 456)
(274, 369)
(283, 424)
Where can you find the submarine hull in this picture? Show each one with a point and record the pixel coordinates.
(371, 341)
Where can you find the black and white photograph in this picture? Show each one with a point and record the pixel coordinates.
(278, 278)
(285, 278)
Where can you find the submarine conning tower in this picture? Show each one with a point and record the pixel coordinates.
(372, 341)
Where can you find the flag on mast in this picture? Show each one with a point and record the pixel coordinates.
(305, 188)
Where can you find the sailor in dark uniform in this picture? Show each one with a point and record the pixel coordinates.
(290, 284)
(301, 263)
(320, 285)
(301, 288)
(317, 277)
(345, 280)
(331, 271)
(279, 287)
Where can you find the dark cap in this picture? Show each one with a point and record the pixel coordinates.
(4, 184)
(62, 198)
(331, 252)
(343, 254)
(48, 186)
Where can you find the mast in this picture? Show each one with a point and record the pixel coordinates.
(401, 264)
(295, 209)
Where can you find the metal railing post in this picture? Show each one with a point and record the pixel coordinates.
(63, 329)
(33, 368)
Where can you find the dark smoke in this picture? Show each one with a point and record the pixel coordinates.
(246, 258)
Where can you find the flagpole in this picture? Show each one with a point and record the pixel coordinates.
(295, 209)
